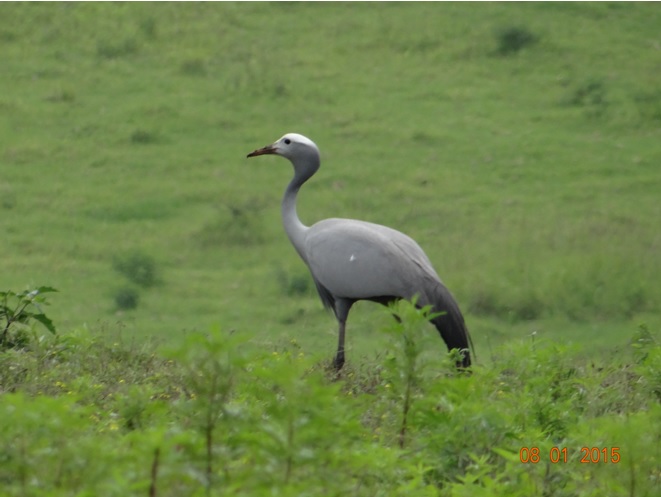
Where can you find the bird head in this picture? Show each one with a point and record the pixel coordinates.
(291, 146)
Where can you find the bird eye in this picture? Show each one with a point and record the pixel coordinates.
(287, 141)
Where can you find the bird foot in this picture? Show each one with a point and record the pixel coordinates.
(338, 361)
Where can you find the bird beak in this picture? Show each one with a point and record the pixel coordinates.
(269, 149)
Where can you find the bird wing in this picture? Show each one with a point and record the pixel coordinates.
(359, 260)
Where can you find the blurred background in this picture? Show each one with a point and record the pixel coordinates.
(519, 144)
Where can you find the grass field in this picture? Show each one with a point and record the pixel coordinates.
(519, 144)
(529, 177)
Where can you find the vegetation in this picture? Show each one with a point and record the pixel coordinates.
(16, 312)
(211, 415)
(518, 143)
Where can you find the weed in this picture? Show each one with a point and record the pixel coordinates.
(642, 342)
(133, 407)
(138, 267)
(512, 39)
(409, 322)
(17, 310)
(405, 365)
(212, 363)
(649, 369)
(127, 298)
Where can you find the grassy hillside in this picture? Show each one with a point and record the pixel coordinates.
(519, 144)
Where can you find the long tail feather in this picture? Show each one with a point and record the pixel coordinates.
(450, 323)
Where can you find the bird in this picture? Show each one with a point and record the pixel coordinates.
(352, 260)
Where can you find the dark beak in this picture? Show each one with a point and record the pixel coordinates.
(269, 149)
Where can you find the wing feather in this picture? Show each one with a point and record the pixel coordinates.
(359, 260)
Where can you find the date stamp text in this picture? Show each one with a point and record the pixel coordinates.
(589, 455)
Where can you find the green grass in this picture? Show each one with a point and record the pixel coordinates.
(518, 143)
(528, 174)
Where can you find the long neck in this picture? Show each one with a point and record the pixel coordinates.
(293, 226)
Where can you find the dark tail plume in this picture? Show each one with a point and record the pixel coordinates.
(450, 324)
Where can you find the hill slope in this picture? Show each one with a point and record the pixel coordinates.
(519, 144)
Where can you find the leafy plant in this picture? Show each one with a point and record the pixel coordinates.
(405, 364)
(642, 343)
(212, 362)
(20, 309)
(217, 416)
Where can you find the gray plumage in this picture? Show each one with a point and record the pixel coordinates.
(355, 260)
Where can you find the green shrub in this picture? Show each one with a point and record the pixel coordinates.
(127, 298)
(513, 39)
(138, 267)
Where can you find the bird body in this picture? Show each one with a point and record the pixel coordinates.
(360, 260)
(352, 260)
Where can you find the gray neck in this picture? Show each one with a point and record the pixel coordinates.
(293, 226)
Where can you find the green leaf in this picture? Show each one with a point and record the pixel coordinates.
(46, 289)
(507, 454)
(45, 320)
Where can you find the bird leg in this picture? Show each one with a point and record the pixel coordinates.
(342, 308)
(338, 362)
